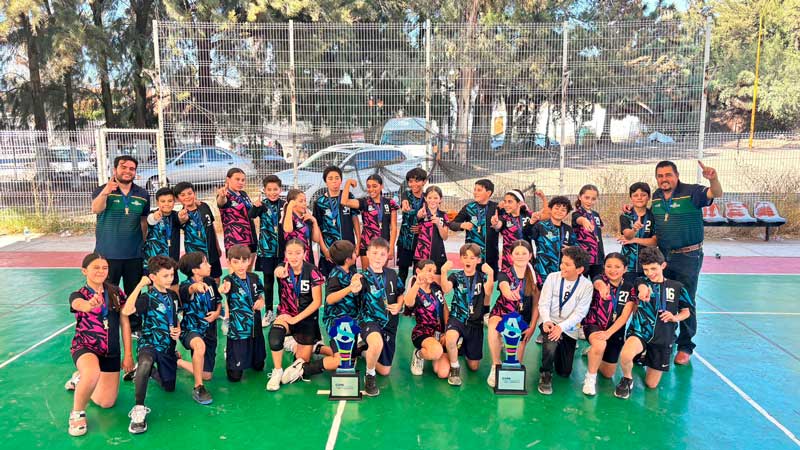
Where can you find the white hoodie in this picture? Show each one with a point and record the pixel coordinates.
(569, 315)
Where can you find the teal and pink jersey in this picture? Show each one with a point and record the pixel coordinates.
(376, 218)
(591, 241)
(512, 228)
(237, 226)
(96, 330)
(429, 242)
(429, 312)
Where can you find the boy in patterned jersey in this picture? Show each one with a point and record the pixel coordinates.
(245, 347)
(158, 309)
(471, 294)
(300, 292)
(163, 230)
(411, 201)
(637, 228)
(662, 304)
(270, 238)
(200, 303)
(474, 219)
(550, 237)
(234, 206)
(380, 305)
(199, 234)
(335, 220)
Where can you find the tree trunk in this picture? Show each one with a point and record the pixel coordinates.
(102, 65)
(69, 101)
(37, 94)
(141, 10)
(467, 80)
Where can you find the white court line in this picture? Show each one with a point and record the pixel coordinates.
(337, 421)
(750, 313)
(750, 273)
(29, 349)
(749, 400)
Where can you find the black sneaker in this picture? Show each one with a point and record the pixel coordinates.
(370, 387)
(201, 395)
(639, 359)
(545, 383)
(454, 379)
(624, 388)
(129, 376)
(138, 417)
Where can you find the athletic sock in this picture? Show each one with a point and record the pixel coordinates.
(371, 372)
(455, 365)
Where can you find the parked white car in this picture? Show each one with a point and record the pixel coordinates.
(358, 162)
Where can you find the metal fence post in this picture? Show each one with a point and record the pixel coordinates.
(293, 94)
(428, 39)
(99, 148)
(161, 153)
(564, 82)
(701, 135)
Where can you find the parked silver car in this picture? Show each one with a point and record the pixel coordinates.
(197, 165)
(358, 162)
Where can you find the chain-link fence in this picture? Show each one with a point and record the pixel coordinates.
(550, 106)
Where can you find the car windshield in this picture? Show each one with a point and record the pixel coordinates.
(403, 137)
(64, 155)
(319, 161)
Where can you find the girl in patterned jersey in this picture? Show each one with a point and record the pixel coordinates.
(613, 301)
(426, 300)
(433, 229)
(512, 220)
(95, 347)
(588, 229)
(299, 223)
(378, 216)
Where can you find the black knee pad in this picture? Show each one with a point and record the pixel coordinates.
(168, 386)
(144, 365)
(234, 375)
(276, 336)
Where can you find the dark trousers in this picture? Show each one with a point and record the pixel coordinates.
(130, 271)
(685, 267)
(559, 354)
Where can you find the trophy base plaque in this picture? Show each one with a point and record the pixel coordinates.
(510, 380)
(345, 386)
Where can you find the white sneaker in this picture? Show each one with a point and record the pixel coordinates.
(289, 344)
(274, 382)
(138, 417)
(268, 318)
(486, 320)
(540, 339)
(590, 385)
(585, 351)
(73, 381)
(293, 372)
(417, 364)
(490, 380)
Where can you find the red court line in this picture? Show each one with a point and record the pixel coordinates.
(726, 264)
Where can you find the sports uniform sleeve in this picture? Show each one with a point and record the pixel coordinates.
(255, 211)
(72, 297)
(546, 297)
(625, 222)
(460, 218)
(684, 301)
(146, 210)
(453, 278)
(362, 204)
(259, 291)
(317, 278)
(700, 196)
(98, 190)
(575, 216)
(183, 294)
(317, 212)
(353, 211)
(332, 285)
(142, 302)
(393, 206)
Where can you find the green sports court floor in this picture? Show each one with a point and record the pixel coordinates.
(742, 390)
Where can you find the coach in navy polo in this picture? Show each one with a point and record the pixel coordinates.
(122, 208)
(678, 211)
